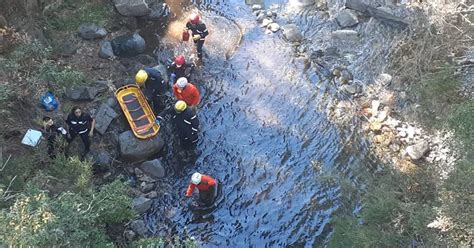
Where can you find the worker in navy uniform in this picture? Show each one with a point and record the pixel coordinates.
(81, 124)
(199, 32)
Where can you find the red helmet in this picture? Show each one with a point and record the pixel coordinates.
(194, 18)
(179, 60)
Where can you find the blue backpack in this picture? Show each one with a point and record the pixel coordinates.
(49, 101)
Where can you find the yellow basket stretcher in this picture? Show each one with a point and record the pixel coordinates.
(137, 111)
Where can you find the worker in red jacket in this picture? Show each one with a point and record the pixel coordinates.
(205, 184)
(187, 92)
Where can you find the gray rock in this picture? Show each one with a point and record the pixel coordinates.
(134, 149)
(345, 35)
(271, 14)
(153, 168)
(104, 117)
(302, 3)
(106, 50)
(146, 187)
(274, 27)
(292, 33)
(142, 204)
(253, 2)
(128, 45)
(256, 7)
(159, 10)
(91, 31)
(100, 158)
(266, 21)
(139, 227)
(418, 150)
(350, 88)
(384, 79)
(129, 235)
(132, 7)
(260, 17)
(84, 93)
(347, 18)
(112, 102)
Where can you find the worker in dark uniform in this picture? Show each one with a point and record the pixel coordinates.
(81, 124)
(179, 68)
(53, 135)
(199, 32)
(154, 86)
(206, 185)
(185, 122)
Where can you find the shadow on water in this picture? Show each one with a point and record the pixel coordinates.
(264, 127)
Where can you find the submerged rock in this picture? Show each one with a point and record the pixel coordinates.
(91, 31)
(292, 33)
(134, 149)
(347, 18)
(128, 45)
(153, 168)
(418, 150)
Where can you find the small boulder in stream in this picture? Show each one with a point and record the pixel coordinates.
(292, 33)
(153, 168)
(418, 150)
(347, 18)
(134, 149)
(128, 45)
(91, 31)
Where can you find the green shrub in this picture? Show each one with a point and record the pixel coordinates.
(461, 120)
(71, 173)
(149, 243)
(25, 54)
(115, 204)
(65, 77)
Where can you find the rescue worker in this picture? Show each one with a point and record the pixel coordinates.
(81, 124)
(179, 68)
(53, 135)
(183, 90)
(154, 86)
(199, 32)
(206, 185)
(185, 122)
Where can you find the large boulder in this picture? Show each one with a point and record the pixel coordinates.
(292, 33)
(134, 149)
(104, 117)
(142, 204)
(132, 7)
(91, 31)
(153, 168)
(347, 18)
(128, 45)
(105, 50)
(418, 150)
(85, 93)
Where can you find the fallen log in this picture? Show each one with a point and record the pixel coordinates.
(378, 14)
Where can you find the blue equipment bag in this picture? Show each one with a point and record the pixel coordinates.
(49, 101)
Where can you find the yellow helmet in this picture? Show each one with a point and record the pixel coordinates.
(141, 77)
(180, 106)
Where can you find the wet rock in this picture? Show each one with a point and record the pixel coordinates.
(345, 35)
(383, 79)
(153, 168)
(132, 7)
(260, 17)
(159, 10)
(301, 3)
(274, 27)
(84, 93)
(256, 7)
(128, 45)
(418, 150)
(270, 14)
(104, 117)
(142, 204)
(139, 227)
(129, 235)
(106, 50)
(91, 31)
(266, 21)
(347, 18)
(146, 187)
(351, 89)
(292, 33)
(134, 149)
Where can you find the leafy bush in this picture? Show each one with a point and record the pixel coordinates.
(26, 53)
(72, 173)
(462, 121)
(115, 205)
(65, 77)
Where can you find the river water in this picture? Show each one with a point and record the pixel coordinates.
(267, 136)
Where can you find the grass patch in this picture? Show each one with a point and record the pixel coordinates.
(69, 14)
(24, 55)
(461, 120)
(65, 76)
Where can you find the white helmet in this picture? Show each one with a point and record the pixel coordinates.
(182, 82)
(196, 178)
